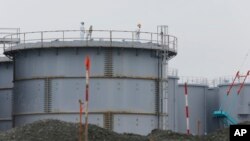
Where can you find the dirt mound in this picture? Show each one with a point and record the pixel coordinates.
(55, 130)
(218, 135)
(162, 135)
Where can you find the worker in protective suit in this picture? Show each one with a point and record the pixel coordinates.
(90, 32)
(137, 33)
(82, 31)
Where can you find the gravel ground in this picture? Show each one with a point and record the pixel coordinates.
(55, 130)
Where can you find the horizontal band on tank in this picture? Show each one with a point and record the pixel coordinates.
(171, 48)
(83, 77)
(79, 43)
(7, 88)
(102, 112)
(5, 119)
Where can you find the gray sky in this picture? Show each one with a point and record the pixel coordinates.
(214, 35)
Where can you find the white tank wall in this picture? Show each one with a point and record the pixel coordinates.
(237, 106)
(212, 104)
(172, 92)
(6, 85)
(197, 108)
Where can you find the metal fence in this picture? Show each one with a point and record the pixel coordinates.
(95, 35)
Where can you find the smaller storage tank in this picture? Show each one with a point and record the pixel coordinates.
(236, 105)
(6, 85)
(197, 90)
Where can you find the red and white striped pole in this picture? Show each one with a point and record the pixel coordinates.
(87, 65)
(186, 106)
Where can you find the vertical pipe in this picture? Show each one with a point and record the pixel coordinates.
(205, 109)
(186, 107)
(198, 127)
(87, 64)
(80, 120)
(42, 39)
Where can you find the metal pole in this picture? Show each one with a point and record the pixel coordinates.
(132, 39)
(42, 39)
(186, 107)
(63, 35)
(80, 126)
(87, 65)
(110, 37)
(198, 127)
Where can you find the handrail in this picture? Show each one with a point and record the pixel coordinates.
(101, 35)
(193, 80)
(227, 80)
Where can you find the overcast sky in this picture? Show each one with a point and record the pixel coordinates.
(213, 35)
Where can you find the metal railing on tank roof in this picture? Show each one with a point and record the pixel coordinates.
(193, 80)
(7, 31)
(96, 35)
(227, 80)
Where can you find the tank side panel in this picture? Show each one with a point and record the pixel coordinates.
(29, 96)
(137, 63)
(196, 100)
(6, 100)
(212, 102)
(172, 92)
(138, 124)
(244, 101)
(229, 103)
(118, 95)
(6, 75)
(58, 63)
(5, 104)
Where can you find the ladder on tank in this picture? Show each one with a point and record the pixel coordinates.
(225, 116)
(163, 41)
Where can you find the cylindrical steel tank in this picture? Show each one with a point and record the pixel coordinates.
(6, 85)
(49, 79)
(236, 105)
(197, 108)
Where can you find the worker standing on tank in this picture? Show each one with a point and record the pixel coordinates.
(82, 31)
(138, 31)
(90, 32)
